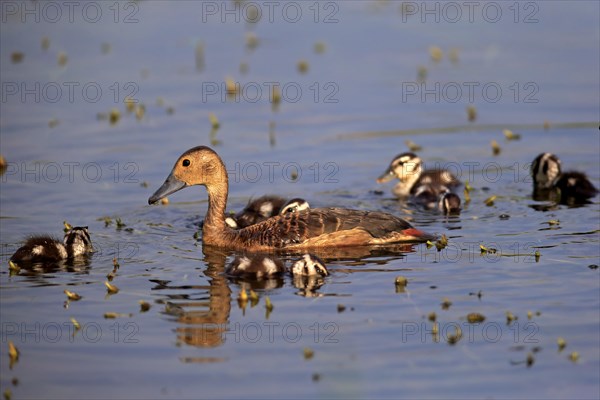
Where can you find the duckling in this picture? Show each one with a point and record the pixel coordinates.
(549, 182)
(309, 265)
(312, 228)
(407, 167)
(263, 266)
(449, 203)
(257, 211)
(257, 267)
(48, 249)
(294, 205)
(263, 208)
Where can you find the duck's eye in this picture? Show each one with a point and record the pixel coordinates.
(186, 163)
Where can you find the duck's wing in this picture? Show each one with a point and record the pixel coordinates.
(330, 226)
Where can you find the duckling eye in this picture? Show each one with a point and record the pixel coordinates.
(186, 163)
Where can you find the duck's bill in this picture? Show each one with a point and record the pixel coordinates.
(171, 185)
(386, 176)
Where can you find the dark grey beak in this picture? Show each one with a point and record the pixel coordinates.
(388, 175)
(171, 185)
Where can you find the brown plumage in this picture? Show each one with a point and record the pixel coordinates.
(317, 227)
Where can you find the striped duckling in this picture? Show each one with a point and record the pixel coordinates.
(549, 182)
(264, 208)
(407, 167)
(76, 242)
(265, 267)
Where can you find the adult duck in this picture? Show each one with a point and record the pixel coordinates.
(311, 228)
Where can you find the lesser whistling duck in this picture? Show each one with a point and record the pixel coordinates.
(407, 167)
(76, 242)
(317, 227)
(550, 182)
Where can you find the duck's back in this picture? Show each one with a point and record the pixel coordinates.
(320, 227)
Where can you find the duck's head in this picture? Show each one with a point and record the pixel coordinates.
(197, 166)
(309, 265)
(406, 167)
(449, 203)
(294, 205)
(545, 170)
(79, 238)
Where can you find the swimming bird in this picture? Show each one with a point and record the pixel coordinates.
(264, 208)
(549, 182)
(407, 167)
(76, 242)
(311, 228)
(266, 266)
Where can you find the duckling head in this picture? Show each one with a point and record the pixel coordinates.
(197, 166)
(545, 170)
(406, 167)
(78, 239)
(294, 205)
(309, 265)
(449, 203)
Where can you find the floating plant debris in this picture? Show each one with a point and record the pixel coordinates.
(105, 48)
(302, 66)
(67, 226)
(485, 250)
(144, 306)
(72, 295)
(214, 121)
(45, 43)
(412, 146)
(319, 47)
(537, 255)
(268, 304)
(199, 55)
(110, 288)
(510, 135)
(490, 200)
(76, 324)
(62, 59)
(553, 222)
(13, 352)
(562, 343)
(341, 308)
(471, 113)
(574, 356)
(432, 316)
(529, 360)
(308, 353)
(114, 115)
(446, 303)
(140, 111)
(495, 148)
(113, 315)
(120, 224)
(510, 317)
(474, 318)
(454, 338)
(401, 281)
(231, 86)
(12, 267)
(453, 55)
(436, 54)
(130, 104)
(251, 40)
(53, 123)
(421, 73)
(16, 57)
(275, 95)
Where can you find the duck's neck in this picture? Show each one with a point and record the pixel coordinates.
(214, 229)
